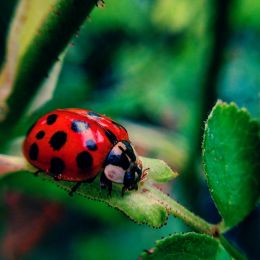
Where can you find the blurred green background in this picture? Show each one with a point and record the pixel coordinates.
(158, 67)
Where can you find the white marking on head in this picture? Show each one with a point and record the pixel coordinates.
(116, 148)
(114, 173)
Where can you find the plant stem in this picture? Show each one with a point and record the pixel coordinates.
(191, 219)
(222, 227)
(231, 249)
(199, 224)
(187, 216)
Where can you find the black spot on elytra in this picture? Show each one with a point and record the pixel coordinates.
(57, 166)
(79, 126)
(112, 138)
(51, 119)
(118, 160)
(33, 152)
(40, 135)
(84, 160)
(91, 145)
(94, 114)
(58, 140)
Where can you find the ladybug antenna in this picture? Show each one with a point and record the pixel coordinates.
(144, 174)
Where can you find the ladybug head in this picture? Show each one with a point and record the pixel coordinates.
(123, 166)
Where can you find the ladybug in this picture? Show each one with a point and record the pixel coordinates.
(77, 145)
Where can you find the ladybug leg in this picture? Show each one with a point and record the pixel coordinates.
(123, 191)
(125, 188)
(130, 181)
(105, 183)
(74, 188)
(90, 180)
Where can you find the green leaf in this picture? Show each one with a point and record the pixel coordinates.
(232, 161)
(145, 206)
(159, 171)
(187, 246)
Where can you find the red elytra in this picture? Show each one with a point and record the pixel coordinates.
(77, 144)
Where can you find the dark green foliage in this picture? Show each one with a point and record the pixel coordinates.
(63, 21)
(158, 67)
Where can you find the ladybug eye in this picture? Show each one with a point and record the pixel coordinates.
(129, 176)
